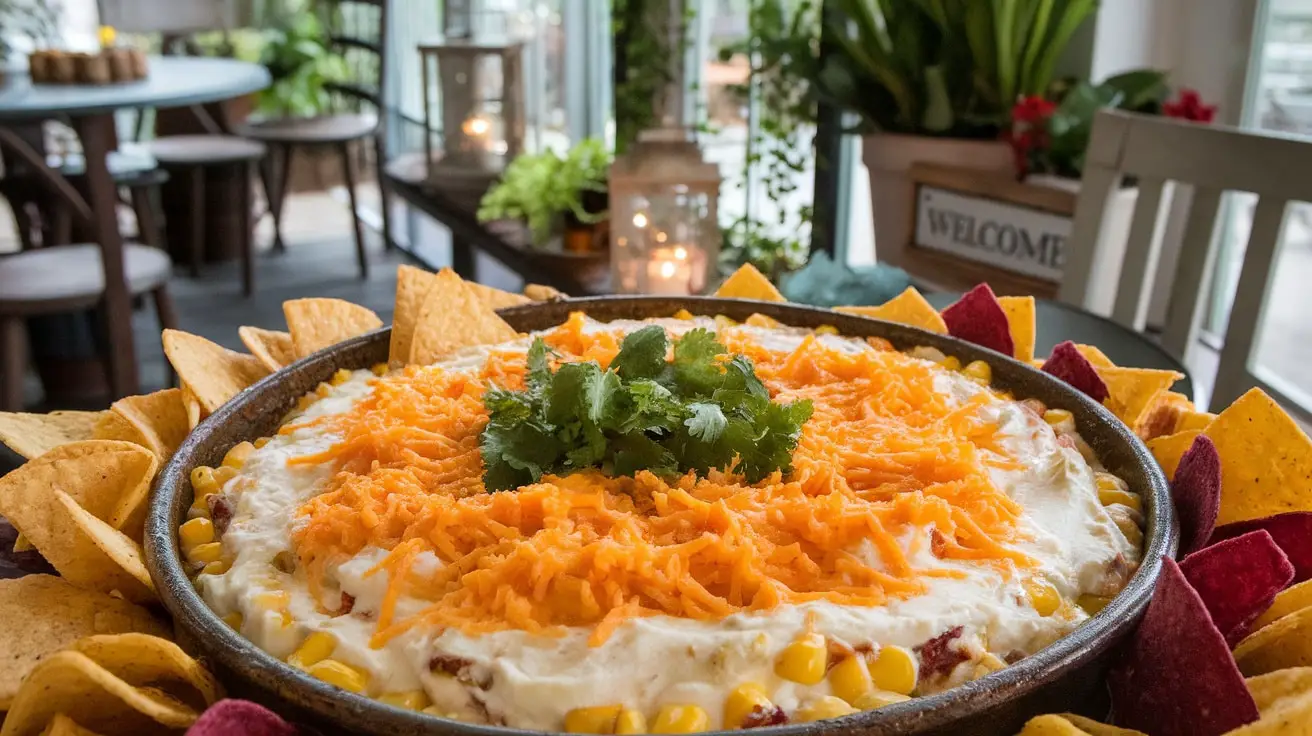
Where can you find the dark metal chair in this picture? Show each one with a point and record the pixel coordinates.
(357, 30)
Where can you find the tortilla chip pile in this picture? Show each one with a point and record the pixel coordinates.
(1224, 647)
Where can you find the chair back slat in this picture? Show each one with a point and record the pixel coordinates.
(357, 30)
(1255, 276)
(1140, 258)
(1192, 271)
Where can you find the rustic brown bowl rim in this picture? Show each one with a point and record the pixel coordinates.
(1112, 439)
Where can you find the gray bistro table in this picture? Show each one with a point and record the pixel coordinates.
(171, 82)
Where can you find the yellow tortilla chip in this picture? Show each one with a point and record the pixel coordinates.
(748, 283)
(1269, 689)
(273, 348)
(316, 324)
(1169, 449)
(1266, 460)
(1289, 600)
(455, 317)
(192, 406)
(1287, 642)
(1290, 716)
(1194, 420)
(1095, 356)
(141, 660)
(1132, 390)
(104, 478)
(157, 422)
(496, 298)
(412, 286)
(1162, 415)
(70, 683)
(543, 293)
(54, 614)
(62, 725)
(213, 373)
(106, 559)
(908, 308)
(22, 545)
(31, 435)
(1094, 728)
(1051, 725)
(1021, 323)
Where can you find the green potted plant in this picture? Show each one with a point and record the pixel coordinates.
(935, 81)
(550, 193)
(301, 66)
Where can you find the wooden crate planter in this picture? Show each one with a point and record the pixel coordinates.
(970, 226)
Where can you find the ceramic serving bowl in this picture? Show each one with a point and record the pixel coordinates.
(1066, 676)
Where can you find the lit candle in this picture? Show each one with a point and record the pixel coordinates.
(477, 129)
(669, 272)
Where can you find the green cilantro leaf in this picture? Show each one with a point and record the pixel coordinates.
(695, 370)
(642, 353)
(707, 421)
(539, 371)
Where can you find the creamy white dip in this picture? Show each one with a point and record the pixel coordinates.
(523, 680)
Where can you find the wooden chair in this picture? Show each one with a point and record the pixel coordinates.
(1212, 159)
(65, 278)
(358, 30)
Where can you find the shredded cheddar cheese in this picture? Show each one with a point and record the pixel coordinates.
(884, 458)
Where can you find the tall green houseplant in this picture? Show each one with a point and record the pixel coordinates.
(934, 82)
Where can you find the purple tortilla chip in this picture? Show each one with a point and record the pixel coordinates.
(240, 718)
(1292, 531)
(978, 317)
(1196, 493)
(1176, 676)
(1238, 579)
(1069, 364)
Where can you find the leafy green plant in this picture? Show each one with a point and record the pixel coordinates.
(540, 188)
(642, 70)
(297, 56)
(946, 67)
(36, 20)
(702, 410)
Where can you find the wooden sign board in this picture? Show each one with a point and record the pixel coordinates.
(971, 226)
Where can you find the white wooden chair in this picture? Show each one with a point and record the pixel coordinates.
(1212, 159)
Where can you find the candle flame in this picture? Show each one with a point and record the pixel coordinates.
(640, 220)
(476, 127)
(667, 270)
(681, 253)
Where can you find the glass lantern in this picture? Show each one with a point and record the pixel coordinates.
(665, 238)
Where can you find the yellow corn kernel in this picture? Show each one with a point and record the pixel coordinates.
(277, 600)
(260, 442)
(236, 457)
(1043, 596)
(341, 376)
(379, 369)
(593, 719)
(234, 620)
(722, 321)
(979, 372)
(630, 722)
(878, 699)
(1125, 520)
(826, 330)
(324, 389)
(760, 320)
(850, 679)
(803, 661)
(1125, 498)
(951, 362)
(683, 314)
(893, 669)
(206, 553)
(316, 648)
(1057, 416)
(194, 533)
(340, 674)
(824, 709)
(306, 401)
(681, 719)
(202, 481)
(742, 701)
(217, 568)
(406, 700)
(1093, 604)
(223, 474)
(1109, 482)
(988, 664)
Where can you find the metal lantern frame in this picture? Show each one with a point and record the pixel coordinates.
(664, 199)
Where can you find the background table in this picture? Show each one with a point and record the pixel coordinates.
(172, 82)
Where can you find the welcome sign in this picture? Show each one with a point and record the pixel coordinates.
(1001, 234)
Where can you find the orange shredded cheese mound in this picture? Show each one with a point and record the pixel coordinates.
(884, 458)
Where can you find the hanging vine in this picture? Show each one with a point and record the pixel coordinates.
(643, 68)
(782, 49)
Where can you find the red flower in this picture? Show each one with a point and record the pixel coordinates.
(1029, 129)
(1190, 107)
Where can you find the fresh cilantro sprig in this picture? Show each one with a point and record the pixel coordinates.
(693, 413)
